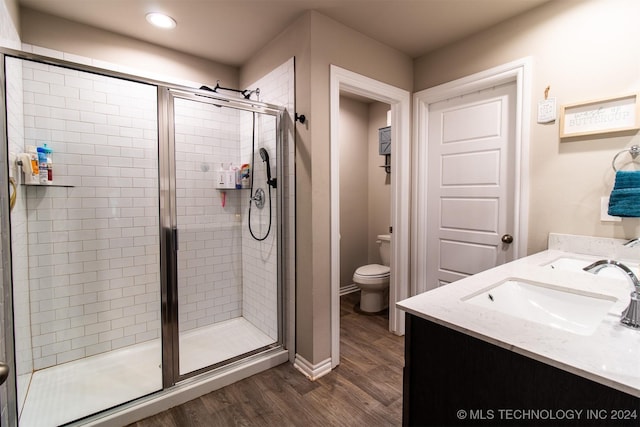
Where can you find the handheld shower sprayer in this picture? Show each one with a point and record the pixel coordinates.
(265, 158)
(258, 197)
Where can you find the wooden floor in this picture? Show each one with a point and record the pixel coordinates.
(364, 390)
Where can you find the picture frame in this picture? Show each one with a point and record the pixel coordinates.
(609, 115)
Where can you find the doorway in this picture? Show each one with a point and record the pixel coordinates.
(492, 97)
(344, 81)
(365, 196)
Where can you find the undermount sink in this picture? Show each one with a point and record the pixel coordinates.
(561, 308)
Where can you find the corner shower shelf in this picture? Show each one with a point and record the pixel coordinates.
(223, 198)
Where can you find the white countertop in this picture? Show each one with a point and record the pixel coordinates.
(610, 356)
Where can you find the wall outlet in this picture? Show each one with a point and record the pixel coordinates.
(604, 207)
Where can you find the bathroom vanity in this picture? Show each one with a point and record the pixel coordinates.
(533, 342)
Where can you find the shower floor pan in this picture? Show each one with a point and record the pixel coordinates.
(73, 390)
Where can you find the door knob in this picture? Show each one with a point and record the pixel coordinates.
(4, 372)
(507, 238)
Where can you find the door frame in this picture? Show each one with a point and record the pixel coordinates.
(518, 71)
(400, 101)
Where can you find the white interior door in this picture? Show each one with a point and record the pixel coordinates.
(470, 184)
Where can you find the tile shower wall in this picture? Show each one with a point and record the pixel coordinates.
(207, 138)
(260, 264)
(94, 247)
(222, 271)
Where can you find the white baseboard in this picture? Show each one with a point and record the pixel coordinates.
(313, 372)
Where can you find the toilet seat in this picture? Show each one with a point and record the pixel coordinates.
(372, 274)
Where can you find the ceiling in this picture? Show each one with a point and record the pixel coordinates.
(230, 31)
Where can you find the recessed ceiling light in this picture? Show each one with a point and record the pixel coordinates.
(161, 20)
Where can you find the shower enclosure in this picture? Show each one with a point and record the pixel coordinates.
(136, 268)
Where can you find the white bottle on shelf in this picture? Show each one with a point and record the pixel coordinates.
(221, 177)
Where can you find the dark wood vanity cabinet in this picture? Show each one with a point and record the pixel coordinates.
(451, 378)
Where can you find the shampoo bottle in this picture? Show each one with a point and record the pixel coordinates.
(45, 164)
(244, 173)
(33, 156)
(42, 166)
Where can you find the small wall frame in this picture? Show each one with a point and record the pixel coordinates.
(602, 116)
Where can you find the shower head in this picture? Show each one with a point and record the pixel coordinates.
(264, 155)
(265, 158)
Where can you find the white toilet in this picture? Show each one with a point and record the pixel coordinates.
(373, 279)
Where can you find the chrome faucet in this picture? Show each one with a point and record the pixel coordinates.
(631, 315)
(632, 243)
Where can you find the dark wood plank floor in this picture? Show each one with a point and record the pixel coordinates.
(364, 390)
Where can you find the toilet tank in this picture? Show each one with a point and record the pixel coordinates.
(384, 242)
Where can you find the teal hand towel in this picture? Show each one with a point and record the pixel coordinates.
(625, 197)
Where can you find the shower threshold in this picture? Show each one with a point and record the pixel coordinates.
(77, 389)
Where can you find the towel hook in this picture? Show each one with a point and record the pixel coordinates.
(634, 151)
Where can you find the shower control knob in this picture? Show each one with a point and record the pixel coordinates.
(507, 238)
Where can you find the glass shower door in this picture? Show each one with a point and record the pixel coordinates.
(85, 247)
(227, 279)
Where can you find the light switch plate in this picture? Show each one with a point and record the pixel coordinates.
(604, 207)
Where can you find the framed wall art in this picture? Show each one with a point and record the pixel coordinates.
(603, 116)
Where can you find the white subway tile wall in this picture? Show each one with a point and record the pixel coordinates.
(207, 138)
(260, 305)
(259, 257)
(94, 280)
(223, 271)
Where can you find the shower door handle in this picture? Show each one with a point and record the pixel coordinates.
(174, 236)
(4, 372)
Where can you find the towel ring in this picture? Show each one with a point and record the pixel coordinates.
(634, 151)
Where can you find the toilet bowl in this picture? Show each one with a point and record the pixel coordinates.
(373, 279)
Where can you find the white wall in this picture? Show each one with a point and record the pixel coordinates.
(379, 197)
(354, 187)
